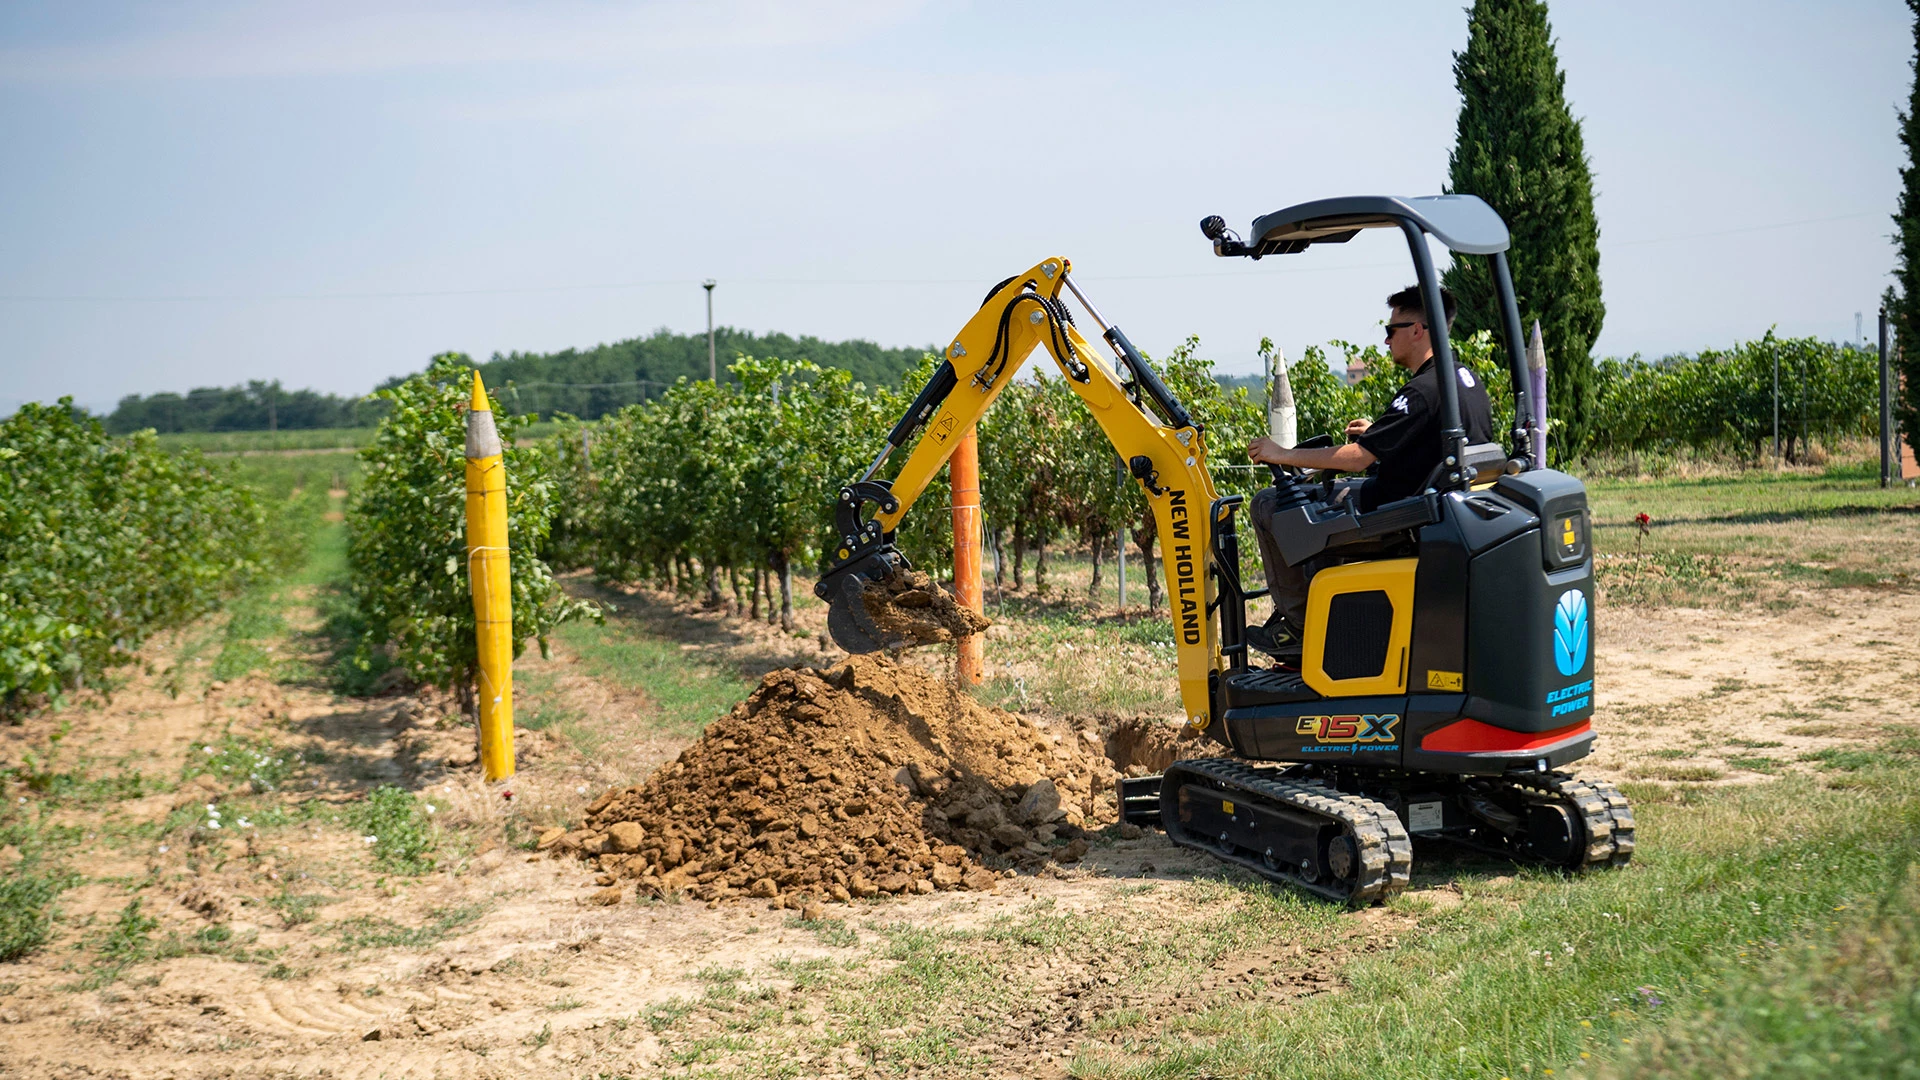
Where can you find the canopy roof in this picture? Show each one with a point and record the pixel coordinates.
(1462, 222)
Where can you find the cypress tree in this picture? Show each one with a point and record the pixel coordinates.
(1518, 147)
(1903, 306)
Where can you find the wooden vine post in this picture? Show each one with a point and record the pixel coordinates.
(963, 476)
(488, 564)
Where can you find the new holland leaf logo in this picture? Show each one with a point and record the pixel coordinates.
(1570, 632)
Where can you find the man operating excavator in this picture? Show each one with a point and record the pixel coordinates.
(1401, 450)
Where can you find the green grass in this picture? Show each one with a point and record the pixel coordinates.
(687, 693)
(1754, 538)
(234, 759)
(240, 442)
(26, 912)
(372, 932)
(298, 909)
(1730, 893)
(127, 942)
(398, 831)
(1845, 1004)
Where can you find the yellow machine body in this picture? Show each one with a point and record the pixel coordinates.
(1350, 608)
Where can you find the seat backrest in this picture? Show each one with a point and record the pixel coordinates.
(1487, 461)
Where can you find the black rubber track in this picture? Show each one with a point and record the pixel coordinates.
(1380, 840)
(1602, 809)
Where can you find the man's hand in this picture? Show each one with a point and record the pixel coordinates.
(1357, 428)
(1349, 458)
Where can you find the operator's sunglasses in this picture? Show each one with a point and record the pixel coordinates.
(1395, 327)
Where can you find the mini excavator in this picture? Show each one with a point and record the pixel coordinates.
(1447, 671)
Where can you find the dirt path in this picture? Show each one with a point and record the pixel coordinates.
(277, 945)
(1736, 697)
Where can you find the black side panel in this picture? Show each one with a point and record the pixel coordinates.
(1439, 653)
(1530, 644)
(1359, 730)
(1359, 629)
(1561, 502)
(1470, 523)
(1428, 713)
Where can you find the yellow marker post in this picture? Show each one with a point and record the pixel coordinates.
(488, 567)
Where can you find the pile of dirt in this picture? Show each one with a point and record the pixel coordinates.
(869, 777)
(912, 609)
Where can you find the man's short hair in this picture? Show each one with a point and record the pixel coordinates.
(1409, 299)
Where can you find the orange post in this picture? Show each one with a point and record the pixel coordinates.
(963, 475)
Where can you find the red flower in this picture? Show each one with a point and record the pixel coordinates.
(1643, 521)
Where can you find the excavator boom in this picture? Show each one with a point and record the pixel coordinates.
(1147, 426)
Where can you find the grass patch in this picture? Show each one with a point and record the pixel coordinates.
(664, 1015)
(1846, 1003)
(76, 787)
(372, 932)
(833, 933)
(1843, 760)
(257, 442)
(1678, 774)
(298, 909)
(1729, 891)
(234, 760)
(127, 942)
(1755, 764)
(397, 829)
(688, 694)
(26, 913)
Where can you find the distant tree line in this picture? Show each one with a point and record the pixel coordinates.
(587, 383)
(591, 383)
(256, 406)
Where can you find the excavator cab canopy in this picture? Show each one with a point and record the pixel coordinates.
(1462, 222)
(1467, 226)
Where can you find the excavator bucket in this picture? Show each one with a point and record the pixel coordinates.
(852, 626)
(881, 602)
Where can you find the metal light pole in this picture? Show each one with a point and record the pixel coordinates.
(1886, 406)
(713, 365)
(1776, 405)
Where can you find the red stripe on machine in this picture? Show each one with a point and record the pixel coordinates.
(1474, 737)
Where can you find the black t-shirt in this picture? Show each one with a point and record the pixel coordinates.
(1406, 438)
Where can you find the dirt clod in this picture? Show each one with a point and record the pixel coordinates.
(913, 609)
(871, 777)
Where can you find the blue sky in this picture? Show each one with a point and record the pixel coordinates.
(198, 194)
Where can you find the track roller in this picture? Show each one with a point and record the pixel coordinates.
(1297, 832)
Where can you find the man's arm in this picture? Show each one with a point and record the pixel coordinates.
(1351, 457)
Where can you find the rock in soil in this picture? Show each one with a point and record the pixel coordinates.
(800, 791)
(914, 610)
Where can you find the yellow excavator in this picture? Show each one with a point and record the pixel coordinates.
(1447, 668)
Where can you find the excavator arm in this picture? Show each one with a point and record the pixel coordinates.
(1147, 426)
